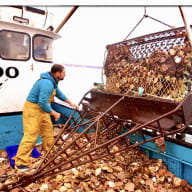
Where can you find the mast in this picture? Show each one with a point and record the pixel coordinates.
(187, 26)
(66, 19)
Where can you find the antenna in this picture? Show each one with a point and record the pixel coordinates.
(46, 14)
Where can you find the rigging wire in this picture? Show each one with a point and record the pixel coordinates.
(147, 16)
(46, 14)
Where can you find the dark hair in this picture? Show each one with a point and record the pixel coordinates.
(57, 68)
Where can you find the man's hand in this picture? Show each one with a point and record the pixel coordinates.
(56, 115)
(72, 104)
(75, 106)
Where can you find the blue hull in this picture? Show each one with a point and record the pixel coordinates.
(11, 130)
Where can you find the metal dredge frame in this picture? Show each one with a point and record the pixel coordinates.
(144, 45)
(109, 130)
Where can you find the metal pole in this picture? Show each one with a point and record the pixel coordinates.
(66, 19)
(187, 26)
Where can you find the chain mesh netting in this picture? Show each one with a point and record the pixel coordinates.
(158, 65)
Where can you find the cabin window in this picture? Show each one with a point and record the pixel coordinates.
(14, 45)
(42, 48)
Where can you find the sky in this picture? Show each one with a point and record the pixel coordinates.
(91, 28)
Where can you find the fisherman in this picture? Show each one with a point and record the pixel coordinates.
(36, 114)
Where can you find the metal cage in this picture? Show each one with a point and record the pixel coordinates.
(157, 65)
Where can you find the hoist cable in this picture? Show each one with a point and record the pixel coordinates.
(160, 21)
(134, 27)
(147, 16)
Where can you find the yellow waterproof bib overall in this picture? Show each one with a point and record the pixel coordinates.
(35, 122)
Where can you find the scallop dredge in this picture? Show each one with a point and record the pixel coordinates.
(157, 65)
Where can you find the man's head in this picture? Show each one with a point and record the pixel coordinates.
(58, 71)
